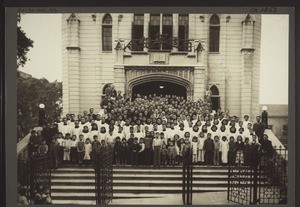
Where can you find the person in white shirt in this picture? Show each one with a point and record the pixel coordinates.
(126, 128)
(86, 133)
(200, 148)
(224, 148)
(102, 134)
(76, 130)
(159, 124)
(139, 134)
(94, 130)
(195, 148)
(65, 128)
(103, 124)
(120, 133)
(246, 121)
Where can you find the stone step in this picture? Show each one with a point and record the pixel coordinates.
(131, 190)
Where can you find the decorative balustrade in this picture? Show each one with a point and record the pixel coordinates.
(159, 43)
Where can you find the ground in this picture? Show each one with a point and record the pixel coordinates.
(211, 198)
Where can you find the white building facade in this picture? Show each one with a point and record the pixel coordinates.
(139, 52)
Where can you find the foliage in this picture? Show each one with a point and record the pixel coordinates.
(23, 44)
(30, 93)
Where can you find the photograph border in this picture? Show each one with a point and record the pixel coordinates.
(11, 77)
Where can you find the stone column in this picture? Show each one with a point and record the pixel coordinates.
(199, 82)
(175, 30)
(72, 76)
(146, 27)
(247, 66)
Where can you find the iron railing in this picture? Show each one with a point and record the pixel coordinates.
(187, 178)
(104, 175)
(159, 43)
(263, 181)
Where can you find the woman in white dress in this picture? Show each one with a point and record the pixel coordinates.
(224, 148)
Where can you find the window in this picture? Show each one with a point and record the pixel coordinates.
(154, 30)
(214, 90)
(167, 30)
(214, 33)
(183, 32)
(138, 31)
(107, 33)
(285, 130)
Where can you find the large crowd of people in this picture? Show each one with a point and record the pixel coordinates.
(152, 130)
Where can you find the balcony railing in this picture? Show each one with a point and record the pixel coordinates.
(160, 43)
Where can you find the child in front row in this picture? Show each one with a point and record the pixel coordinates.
(87, 151)
(171, 153)
(80, 149)
(195, 149)
(123, 152)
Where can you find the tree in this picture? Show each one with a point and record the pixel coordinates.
(30, 93)
(23, 44)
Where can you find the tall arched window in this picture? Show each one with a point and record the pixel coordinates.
(214, 33)
(214, 90)
(107, 33)
(215, 97)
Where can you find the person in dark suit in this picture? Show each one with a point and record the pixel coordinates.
(259, 129)
(209, 149)
(267, 147)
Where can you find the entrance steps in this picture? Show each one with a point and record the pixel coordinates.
(76, 185)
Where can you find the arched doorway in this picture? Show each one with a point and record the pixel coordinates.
(215, 97)
(159, 88)
(150, 83)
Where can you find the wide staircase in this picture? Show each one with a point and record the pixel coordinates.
(76, 185)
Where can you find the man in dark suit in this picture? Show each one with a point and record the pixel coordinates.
(209, 148)
(259, 129)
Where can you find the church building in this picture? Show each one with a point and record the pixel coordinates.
(162, 53)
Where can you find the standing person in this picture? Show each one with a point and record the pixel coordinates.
(67, 148)
(60, 141)
(231, 152)
(80, 149)
(102, 134)
(259, 129)
(34, 142)
(73, 151)
(76, 130)
(224, 148)
(86, 133)
(164, 154)
(195, 145)
(118, 150)
(172, 153)
(43, 148)
(200, 148)
(217, 150)
(148, 148)
(209, 148)
(96, 149)
(141, 154)
(180, 143)
(87, 151)
(267, 151)
(54, 148)
(156, 146)
(239, 147)
(124, 150)
(247, 152)
(135, 148)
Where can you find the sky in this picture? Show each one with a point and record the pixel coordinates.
(45, 56)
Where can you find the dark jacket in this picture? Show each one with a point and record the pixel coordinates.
(209, 145)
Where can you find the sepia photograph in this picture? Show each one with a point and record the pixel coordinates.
(145, 108)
